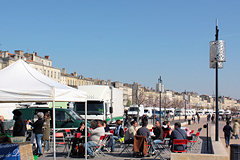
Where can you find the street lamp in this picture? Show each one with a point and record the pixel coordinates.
(185, 98)
(217, 57)
(160, 89)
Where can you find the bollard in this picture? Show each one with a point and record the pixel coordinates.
(206, 126)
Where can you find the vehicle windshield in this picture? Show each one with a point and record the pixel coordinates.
(145, 110)
(133, 109)
(93, 108)
(73, 114)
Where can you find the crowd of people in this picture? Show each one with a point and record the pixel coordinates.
(98, 128)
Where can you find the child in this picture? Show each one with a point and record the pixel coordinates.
(227, 129)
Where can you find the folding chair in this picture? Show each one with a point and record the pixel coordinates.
(60, 140)
(98, 149)
(125, 147)
(192, 131)
(194, 141)
(68, 132)
(179, 142)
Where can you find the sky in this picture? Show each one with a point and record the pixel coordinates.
(129, 40)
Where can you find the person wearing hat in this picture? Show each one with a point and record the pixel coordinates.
(19, 128)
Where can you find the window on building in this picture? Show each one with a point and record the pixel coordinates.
(44, 71)
(48, 73)
(54, 74)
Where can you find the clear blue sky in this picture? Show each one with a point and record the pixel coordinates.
(129, 40)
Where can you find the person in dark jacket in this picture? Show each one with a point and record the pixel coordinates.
(2, 128)
(19, 128)
(118, 135)
(158, 132)
(38, 131)
(143, 131)
(178, 133)
(227, 129)
(106, 127)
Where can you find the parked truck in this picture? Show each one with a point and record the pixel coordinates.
(103, 103)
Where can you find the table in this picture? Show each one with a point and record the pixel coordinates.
(70, 141)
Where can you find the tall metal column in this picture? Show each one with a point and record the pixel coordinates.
(217, 116)
(160, 100)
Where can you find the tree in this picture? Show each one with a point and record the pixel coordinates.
(140, 100)
(176, 103)
(129, 103)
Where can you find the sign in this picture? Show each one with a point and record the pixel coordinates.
(217, 54)
(9, 152)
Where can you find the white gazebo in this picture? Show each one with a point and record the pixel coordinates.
(20, 82)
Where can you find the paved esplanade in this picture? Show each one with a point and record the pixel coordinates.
(115, 155)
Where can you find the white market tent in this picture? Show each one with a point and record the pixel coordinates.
(20, 82)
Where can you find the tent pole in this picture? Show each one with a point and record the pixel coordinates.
(54, 138)
(86, 129)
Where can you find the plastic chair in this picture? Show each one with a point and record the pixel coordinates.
(179, 142)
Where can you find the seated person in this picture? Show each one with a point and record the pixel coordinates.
(106, 127)
(129, 137)
(81, 129)
(93, 140)
(166, 128)
(143, 131)
(178, 133)
(118, 134)
(158, 132)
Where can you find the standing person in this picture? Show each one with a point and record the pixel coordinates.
(129, 137)
(227, 129)
(38, 131)
(198, 117)
(193, 119)
(46, 131)
(212, 118)
(19, 128)
(2, 128)
(236, 129)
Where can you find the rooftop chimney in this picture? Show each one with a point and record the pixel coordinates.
(64, 71)
(19, 52)
(46, 57)
(35, 53)
(75, 74)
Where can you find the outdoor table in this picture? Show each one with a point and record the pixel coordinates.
(70, 140)
(108, 134)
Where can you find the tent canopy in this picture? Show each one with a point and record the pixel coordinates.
(21, 83)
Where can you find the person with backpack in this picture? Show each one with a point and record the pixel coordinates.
(227, 129)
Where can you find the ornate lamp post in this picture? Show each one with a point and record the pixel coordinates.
(160, 89)
(217, 57)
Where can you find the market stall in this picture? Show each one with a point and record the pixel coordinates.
(21, 83)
